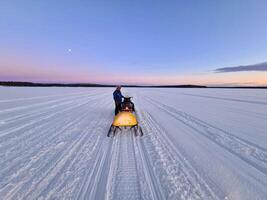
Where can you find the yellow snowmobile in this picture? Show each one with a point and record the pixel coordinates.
(125, 118)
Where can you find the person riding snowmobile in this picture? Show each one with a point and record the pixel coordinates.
(117, 96)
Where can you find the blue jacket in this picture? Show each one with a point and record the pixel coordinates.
(117, 96)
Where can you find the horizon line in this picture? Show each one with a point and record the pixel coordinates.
(88, 84)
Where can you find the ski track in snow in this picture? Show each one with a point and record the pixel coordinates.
(55, 147)
(249, 152)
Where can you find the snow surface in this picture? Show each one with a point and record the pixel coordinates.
(197, 144)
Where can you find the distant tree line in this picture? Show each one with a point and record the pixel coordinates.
(31, 84)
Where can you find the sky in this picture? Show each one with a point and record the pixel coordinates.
(148, 42)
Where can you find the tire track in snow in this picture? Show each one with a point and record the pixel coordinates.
(40, 111)
(67, 185)
(31, 106)
(89, 189)
(249, 152)
(228, 99)
(111, 182)
(42, 97)
(177, 178)
(28, 138)
(52, 167)
(126, 177)
(40, 119)
(97, 154)
(79, 172)
(22, 163)
(148, 180)
(170, 174)
(22, 127)
(41, 138)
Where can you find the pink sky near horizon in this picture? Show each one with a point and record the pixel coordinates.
(31, 74)
(22, 68)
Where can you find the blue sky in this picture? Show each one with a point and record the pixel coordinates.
(144, 42)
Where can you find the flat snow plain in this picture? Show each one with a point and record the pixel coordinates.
(197, 144)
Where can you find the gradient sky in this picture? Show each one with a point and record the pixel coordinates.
(135, 42)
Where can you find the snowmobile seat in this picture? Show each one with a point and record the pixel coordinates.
(127, 105)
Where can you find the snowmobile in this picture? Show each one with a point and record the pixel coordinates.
(125, 118)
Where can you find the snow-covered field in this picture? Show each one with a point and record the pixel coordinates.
(197, 144)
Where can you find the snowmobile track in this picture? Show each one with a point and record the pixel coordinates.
(177, 177)
(251, 153)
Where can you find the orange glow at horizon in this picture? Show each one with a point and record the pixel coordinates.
(236, 78)
(23, 71)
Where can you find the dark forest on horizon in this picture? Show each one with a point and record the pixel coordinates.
(32, 84)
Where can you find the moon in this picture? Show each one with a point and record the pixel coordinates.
(69, 50)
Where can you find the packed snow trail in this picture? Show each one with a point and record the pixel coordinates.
(249, 152)
(126, 184)
(197, 144)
